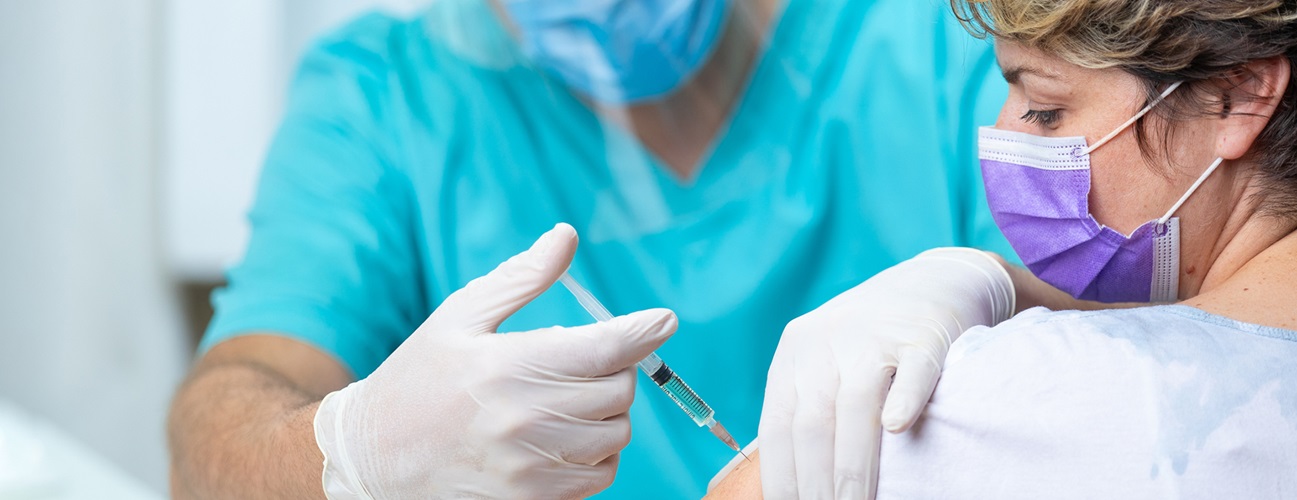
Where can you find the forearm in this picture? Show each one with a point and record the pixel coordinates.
(240, 430)
(1033, 292)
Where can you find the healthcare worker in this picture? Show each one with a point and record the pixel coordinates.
(736, 162)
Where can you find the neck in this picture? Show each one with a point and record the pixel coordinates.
(681, 127)
(1237, 235)
(1253, 275)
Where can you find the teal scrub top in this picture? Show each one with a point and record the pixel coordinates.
(418, 154)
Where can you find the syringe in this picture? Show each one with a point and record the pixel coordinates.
(658, 371)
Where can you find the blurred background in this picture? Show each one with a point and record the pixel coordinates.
(131, 133)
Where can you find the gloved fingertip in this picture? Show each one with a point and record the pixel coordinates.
(896, 427)
(554, 244)
(663, 322)
(624, 340)
(898, 418)
(647, 327)
(563, 231)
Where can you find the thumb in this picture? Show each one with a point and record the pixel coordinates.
(487, 301)
(602, 348)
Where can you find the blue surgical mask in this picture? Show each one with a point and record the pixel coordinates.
(619, 51)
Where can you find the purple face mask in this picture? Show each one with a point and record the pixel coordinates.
(1038, 189)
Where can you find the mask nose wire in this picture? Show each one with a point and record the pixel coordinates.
(1162, 222)
(1132, 120)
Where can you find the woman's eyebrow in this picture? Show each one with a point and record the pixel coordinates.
(1013, 74)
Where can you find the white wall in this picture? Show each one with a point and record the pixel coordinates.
(89, 336)
(226, 66)
(131, 132)
(222, 73)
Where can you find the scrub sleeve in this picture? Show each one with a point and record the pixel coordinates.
(332, 259)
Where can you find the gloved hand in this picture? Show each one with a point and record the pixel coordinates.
(820, 425)
(459, 411)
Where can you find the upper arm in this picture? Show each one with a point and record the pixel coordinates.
(333, 260)
(744, 482)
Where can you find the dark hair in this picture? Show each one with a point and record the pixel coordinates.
(1199, 42)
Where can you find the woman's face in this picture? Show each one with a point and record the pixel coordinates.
(1050, 97)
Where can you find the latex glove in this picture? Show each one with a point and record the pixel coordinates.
(459, 411)
(820, 425)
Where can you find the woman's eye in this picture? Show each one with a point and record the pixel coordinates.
(1043, 117)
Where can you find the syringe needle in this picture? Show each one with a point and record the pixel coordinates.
(658, 372)
(725, 437)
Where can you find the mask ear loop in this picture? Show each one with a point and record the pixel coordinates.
(1131, 121)
(1161, 223)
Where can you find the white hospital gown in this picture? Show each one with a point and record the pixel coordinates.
(1156, 402)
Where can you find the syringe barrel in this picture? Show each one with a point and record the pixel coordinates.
(684, 396)
(651, 365)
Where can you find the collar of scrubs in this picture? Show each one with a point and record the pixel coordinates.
(474, 31)
(752, 142)
(748, 152)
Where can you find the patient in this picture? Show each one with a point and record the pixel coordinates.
(1147, 153)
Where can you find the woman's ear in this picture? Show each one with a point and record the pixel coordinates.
(1250, 98)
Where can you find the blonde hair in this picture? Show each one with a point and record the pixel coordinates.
(1154, 35)
(1199, 42)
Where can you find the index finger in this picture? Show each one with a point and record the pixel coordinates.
(598, 349)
